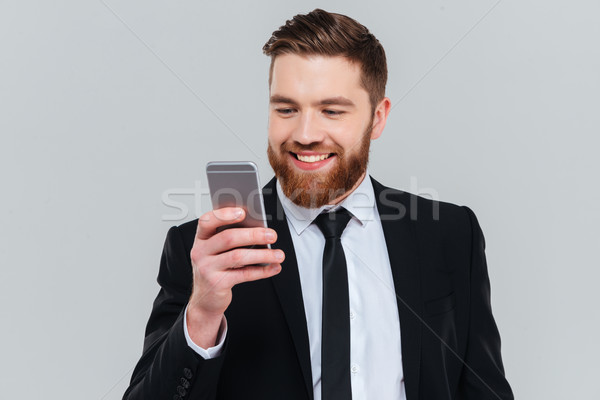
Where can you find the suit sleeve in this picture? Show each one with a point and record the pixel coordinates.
(483, 373)
(169, 367)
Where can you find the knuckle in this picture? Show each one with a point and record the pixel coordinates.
(197, 251)
(215, 214)
(201, 267)
(271, 254)
(236, 257)
(256, 235)
(228, 238)
(194, 256)
(247, 274)
(204, 219)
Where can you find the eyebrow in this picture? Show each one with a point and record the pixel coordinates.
(338, 100)
(276, 98)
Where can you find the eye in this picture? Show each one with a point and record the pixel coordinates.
(285, 111)
(333, 113)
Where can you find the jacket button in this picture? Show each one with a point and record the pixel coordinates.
(187, 373)
(181, 391)
(185, 383)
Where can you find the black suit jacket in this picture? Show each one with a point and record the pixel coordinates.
(450, 343)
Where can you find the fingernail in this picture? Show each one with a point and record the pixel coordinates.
(279, 255)
(238, 213)
(269, 235)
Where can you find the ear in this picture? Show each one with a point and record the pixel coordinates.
(380, 117)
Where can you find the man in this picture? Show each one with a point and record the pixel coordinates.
(408, 318)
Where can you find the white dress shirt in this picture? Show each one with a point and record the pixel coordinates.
(375, 350)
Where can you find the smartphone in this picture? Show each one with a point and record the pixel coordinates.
(236, 184)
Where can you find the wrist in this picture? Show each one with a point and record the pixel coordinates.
(203, 327)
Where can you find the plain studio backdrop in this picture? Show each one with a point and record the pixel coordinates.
(110, 110)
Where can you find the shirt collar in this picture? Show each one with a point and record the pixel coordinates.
(360, 203)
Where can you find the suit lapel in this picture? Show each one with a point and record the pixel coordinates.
(401, 242)
(287, 283)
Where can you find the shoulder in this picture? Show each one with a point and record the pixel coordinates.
(427, 216)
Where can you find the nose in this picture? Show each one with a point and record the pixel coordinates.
(308, 131)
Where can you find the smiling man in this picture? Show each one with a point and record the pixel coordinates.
(367, 293)
(321, 123)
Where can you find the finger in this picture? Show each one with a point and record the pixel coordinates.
(252, 273)
(237, 258)
(239, 237)
(210, 221)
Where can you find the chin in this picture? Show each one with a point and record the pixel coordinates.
(321, 184)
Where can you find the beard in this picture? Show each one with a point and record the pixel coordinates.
(313, 189)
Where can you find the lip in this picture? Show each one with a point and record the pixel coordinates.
(310, 166)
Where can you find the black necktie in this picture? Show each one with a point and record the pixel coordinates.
(335, 334)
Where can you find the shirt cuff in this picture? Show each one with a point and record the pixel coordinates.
(211, 352)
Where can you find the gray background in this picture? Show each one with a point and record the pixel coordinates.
(108, 107)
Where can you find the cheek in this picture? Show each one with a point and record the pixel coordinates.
(279, 131)
(346, 135)
(275, 138)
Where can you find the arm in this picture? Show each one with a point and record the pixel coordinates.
(167, 361)
(483, 373)
(196, 282)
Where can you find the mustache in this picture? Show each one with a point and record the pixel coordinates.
(295, 147)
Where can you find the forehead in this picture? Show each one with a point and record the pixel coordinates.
(315, 76)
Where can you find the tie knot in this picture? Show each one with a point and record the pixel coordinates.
(333, 224)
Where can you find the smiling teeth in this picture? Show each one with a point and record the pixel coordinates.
(312, 159)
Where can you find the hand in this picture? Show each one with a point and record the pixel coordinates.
(218, 264)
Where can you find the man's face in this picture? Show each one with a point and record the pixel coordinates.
(320, 127)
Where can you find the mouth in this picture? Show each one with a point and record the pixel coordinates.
(311, 160)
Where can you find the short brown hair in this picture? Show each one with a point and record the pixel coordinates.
(322, 33)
